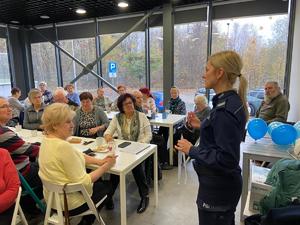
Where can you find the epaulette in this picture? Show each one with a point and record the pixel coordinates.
(221, 104)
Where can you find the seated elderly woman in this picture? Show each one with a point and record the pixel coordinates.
(9, 187)
(202, 111)
(90, 121)
(101, 100)
(148, 100)
(34, 112)
(61, 163)
(47, 95)
(72, 95)
(176, 106)
(133, 126)
(16, 106)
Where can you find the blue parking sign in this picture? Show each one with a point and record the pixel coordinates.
(112, 69)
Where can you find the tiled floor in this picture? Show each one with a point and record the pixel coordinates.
(176, 203)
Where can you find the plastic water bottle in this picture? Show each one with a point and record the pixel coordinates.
(112, 148)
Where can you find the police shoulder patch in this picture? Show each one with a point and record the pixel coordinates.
(221, 104)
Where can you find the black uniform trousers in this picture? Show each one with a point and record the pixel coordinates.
(221, 217)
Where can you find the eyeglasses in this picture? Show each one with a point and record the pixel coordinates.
(5, 107)
(127, 103)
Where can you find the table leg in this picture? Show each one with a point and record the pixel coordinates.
(246, 174)
(123, 199)
(155, 177)
(171, 134)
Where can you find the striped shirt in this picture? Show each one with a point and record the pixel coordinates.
(19, 150)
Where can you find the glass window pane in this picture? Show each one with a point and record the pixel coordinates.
(262, 46)
(5, 82)
(85, 51)
(44, 65)
(156, 64)
(129, 57)
(190, 44)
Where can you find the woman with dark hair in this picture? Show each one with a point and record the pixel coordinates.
(90, 121)
(133, 126)
(148, 101)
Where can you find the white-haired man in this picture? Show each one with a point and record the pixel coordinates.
(275, 106)
(60, 96)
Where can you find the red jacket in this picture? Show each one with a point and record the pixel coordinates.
(9, 181)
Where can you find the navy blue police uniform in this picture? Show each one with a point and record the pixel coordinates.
(217, 160)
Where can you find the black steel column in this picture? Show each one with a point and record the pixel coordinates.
(60, 82)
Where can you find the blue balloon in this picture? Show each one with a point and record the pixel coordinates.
(257, 128)
(284, 134)
(272, 126)
(297, 127)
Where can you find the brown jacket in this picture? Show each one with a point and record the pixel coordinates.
(276, 110)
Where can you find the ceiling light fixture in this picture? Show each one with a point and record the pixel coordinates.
(15, 21)
(123, 4)
(44, 17)
(80, 11)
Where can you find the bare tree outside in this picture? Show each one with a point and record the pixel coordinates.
(262, 46)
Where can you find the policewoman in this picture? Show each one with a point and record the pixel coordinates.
(218, 154)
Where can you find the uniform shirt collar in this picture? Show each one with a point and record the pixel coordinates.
(222, 96)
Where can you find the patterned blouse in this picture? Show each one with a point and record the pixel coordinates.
(87, 120)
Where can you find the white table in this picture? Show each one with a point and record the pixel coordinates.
(124, 164)
(169, 122)
(261, 150)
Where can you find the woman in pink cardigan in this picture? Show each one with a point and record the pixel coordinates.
(9, 187)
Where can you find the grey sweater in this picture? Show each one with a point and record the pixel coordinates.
(32, 118)
(100, 118)
(16, 105)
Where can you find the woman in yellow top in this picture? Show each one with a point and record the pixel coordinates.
(61, 163)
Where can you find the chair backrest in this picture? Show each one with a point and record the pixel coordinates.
(54, 192)
(52, 187)
(18, 213)
(17, 205)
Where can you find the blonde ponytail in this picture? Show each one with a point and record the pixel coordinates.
(232, 64)
(242, 91)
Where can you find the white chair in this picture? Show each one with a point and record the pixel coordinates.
(55, 191)
(18, 215)
(182, 161)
